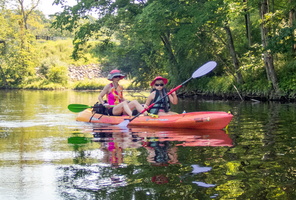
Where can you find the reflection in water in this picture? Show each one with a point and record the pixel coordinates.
(161, 144)
(137, 156)
(45, 154)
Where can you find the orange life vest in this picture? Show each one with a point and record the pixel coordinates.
(115, 96)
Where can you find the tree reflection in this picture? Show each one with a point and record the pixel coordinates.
(143, 164)
(171, 164)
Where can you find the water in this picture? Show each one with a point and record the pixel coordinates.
(46, 154)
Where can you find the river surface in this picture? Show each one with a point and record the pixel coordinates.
(46, 154)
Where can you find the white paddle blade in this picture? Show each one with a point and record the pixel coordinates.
(204, 69)
(124, 123)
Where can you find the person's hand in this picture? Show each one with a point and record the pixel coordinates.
(173, 93)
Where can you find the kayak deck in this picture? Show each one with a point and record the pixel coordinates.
(195, 120)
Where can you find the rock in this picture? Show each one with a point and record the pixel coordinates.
(77, 73)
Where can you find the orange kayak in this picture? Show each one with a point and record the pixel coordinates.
(192, 120)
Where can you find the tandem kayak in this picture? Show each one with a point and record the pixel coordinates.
(192, 120)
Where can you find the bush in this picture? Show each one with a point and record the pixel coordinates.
(287, 78)
(44, 85)
(97, 84)
(58, 74)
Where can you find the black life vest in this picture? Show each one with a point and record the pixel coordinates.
(164, 104)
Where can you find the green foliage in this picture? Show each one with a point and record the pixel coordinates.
(283, 41)
(97, 84)
(287, 80)
(254, 73)
(223, 85)
(19, 57)
(147, 39)
(43, 85)
(26, 62)
(57, 52)
(58, 74)
(89, 85)
(215, 84)
(258, 87)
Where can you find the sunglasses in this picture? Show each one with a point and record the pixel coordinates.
(117, 77)
(159, 84)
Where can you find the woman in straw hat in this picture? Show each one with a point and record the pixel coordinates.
(158, 92)
(117, 105)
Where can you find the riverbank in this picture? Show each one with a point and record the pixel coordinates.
(235, 96)
(138, 93)
(92, 77)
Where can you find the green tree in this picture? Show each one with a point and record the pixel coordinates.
(268, 56)
(172, 38)
(18, 59)
(21, 55)
(173, 30)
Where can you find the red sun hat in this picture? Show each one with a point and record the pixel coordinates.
(165, 81)
(114, 73)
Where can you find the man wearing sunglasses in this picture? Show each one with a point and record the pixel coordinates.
(158, 92)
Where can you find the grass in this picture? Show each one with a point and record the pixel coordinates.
(97, 84)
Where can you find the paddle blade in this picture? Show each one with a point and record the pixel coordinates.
(204, 69)
(77, 107)
(124, 123)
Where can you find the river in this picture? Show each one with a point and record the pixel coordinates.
(46, 154)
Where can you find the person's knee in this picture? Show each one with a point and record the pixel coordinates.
(134, 102)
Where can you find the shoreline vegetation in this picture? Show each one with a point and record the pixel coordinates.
(255, 52)
(59, 71)
(183, 93)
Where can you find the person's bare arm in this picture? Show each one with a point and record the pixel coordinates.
(173, 98)
(149, 99)
(103, 93)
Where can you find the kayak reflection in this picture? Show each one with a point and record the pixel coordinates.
(161, 144)
(183, 137)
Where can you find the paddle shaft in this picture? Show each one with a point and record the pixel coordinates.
(151, 105)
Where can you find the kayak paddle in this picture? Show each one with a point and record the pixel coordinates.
(78, 107)
(81, 107)
(203, 70)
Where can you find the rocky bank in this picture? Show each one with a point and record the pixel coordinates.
(77, 73)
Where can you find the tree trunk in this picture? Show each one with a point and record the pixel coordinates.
(25, 13)
(172, 59)
(268, 57)
(3, 77)
(292, 17)
(235, 61)
(248, 24)
(2, 74)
